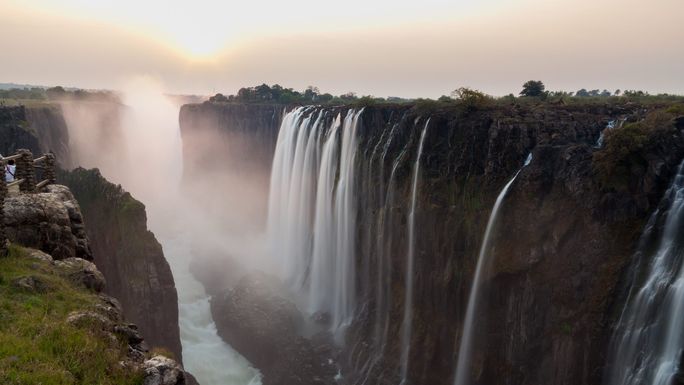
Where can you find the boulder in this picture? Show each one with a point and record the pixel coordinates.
(160, 370)
(82, 272)
(30, 283)
(50, 221)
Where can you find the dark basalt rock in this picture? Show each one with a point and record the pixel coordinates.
(129, 256)
(264, 327)
(560, 249)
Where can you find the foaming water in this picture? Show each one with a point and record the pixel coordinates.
(205, 355)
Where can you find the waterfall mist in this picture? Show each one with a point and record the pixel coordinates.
(141, 149)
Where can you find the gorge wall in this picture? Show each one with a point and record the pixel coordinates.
(209, 151)
(129, 256)
(567, 230)
(124, 250)
(40, 128)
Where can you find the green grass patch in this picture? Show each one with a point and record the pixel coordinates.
(37, 345)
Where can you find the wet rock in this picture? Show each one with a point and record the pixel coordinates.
(265, 327)
(190, 379)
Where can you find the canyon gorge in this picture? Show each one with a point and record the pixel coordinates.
(266, 243)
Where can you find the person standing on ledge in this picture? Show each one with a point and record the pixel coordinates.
(10, 170)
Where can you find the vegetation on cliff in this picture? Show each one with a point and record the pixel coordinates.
(625, 156)
(38, 345)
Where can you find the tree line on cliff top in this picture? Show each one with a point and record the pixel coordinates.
(532, 91)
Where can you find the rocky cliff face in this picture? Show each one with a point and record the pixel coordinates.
(78, 322)
(566, 233)
(47, 121)
(15, 132)
(40, 128)
(218, 137)
(129, 256)
(49, 221)
(123, 248)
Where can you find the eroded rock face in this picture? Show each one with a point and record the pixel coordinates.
(50, 221)
(562, 243)
(14, 131)
(129, 256)
(265, 327)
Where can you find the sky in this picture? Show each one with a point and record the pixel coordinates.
(383, 48)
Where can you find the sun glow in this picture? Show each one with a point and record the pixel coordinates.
(204, 28)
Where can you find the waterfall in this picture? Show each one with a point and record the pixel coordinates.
(648, 342)
(408, 300)
(465, 349)
(311, 215)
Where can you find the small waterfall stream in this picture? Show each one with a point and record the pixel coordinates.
(462, 376)
(648, 343)
(408, 300)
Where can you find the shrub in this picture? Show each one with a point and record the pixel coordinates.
(623, 155)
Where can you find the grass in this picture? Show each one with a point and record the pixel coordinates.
(38, 346)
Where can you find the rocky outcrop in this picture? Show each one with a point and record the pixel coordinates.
(82, 272)
(50, 221)
(266, 328)
(129, 256)
(107, 319)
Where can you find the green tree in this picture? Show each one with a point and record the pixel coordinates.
(583, 93)
(533, 88)
(218, 98)
(470, 98)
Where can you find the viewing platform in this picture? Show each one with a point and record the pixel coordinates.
(31, 176)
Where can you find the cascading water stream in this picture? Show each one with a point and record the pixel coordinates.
(408, 300)
(311, 220)
(462, 376)
(648, 343)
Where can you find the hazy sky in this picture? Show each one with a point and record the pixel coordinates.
(378, 47)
